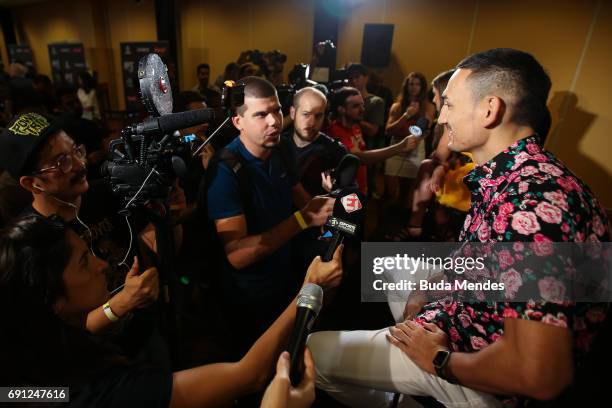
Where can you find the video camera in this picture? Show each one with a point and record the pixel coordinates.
(150, 155)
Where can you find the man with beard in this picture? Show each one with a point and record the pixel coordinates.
(48, 163)
(315, 154)
(348, 108)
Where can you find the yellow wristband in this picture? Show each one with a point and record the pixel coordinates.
(300, 220)
(109, 312)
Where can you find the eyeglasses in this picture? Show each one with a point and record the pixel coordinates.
(66, 161)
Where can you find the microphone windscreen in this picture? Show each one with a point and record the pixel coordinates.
(175, 121)
(346, 171)
(423, 123)
(311, 297)
(419, 127)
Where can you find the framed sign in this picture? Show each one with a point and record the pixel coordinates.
(67, 61)
(23, 53)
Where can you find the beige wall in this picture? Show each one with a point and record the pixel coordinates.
(571, 38)
(99, 24)
(216, 32)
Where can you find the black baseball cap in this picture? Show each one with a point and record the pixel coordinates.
(21, 140)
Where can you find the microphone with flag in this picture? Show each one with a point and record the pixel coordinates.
(418, 129)
(346, 219)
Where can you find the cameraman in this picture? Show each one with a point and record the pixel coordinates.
(47, 162)
(49, 284)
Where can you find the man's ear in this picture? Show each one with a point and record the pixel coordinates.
(292, 113)
(27, 182)
(493, 110)
(236, 120)
(341, 110)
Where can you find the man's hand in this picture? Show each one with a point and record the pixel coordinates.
(420, 343)
(318, 210)
(326, 181)
(416, 301)
(437, 177)
(140, 290)
(326, 274)
(409, 144)
(280, 393)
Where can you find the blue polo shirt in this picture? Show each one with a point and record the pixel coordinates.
(270, 194)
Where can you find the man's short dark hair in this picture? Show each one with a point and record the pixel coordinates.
(517, 74)
(42, 79)
(65, 90)
(183, 99)
(441, 80)
(340, 96)
(256, 87)
(201, 66)
(230, 67)
(356, 68)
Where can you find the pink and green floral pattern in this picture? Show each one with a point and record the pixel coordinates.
(527, 196)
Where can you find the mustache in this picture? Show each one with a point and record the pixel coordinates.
(78, 175)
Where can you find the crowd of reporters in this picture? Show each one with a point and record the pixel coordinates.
(248, 222)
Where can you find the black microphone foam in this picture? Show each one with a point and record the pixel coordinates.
(346, 171)
(309, 303)
(423, 123)
(176, 121)
(419, 128)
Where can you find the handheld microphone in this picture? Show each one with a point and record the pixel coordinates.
(419, 127)
(173, 121)
(344, 174)
(345, 220)
(309, 303)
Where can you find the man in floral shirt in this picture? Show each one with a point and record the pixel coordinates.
(463, 354)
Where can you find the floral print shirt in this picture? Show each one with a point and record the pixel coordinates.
(524, 195)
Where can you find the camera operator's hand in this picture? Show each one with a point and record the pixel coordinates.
(410, 143)
(317, 210)
(412, 109)
(140, 290)
(281, 394)
(326, 274)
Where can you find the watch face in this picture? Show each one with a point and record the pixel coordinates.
(440, 358)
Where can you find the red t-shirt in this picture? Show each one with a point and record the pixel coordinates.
(351, 137)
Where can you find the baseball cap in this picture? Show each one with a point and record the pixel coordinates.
(22, 138)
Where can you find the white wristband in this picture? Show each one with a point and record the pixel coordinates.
(109, 312)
